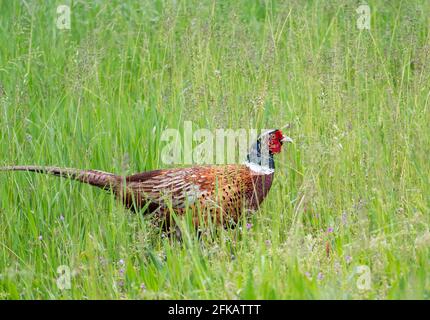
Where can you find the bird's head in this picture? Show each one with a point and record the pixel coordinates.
(268, 144)
(275, 140)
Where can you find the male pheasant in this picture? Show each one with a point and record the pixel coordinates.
(220, 193)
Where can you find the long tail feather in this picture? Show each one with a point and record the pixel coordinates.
(96, 178)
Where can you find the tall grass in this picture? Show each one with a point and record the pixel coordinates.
(352, 191)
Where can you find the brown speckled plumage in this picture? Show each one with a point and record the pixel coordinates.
(221, 192)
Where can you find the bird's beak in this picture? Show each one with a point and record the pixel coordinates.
(286, 139)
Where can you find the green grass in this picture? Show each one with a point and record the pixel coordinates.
(99, 95)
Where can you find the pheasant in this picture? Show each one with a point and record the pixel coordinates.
(217, 192)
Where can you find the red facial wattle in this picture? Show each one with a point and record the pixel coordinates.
(275, 143)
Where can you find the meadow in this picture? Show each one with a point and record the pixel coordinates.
(348, 214)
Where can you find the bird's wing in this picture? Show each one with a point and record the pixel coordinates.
(185, 186)
(175, 187)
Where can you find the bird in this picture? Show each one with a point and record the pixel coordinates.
(217, 193)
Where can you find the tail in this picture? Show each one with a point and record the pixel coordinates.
(104, 180)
